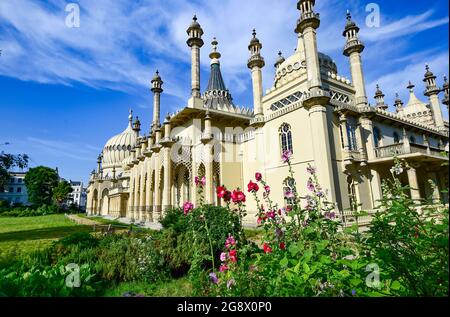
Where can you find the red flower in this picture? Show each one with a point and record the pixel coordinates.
(267, 248)
(258, 177)
(221, 191)
(227, 196)
(233, 255)
(223, 268)
(282, 246)
(252, 187)
(270, 214)
(238, 197)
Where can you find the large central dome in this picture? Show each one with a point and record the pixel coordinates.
(119, 147)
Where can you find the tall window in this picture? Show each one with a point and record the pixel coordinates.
(396, 138)
(286, 138)
(412, 139)
(351, 132)
(376, 136)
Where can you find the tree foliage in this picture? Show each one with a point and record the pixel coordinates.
(40, 182)
(62, 191)
(9, 161)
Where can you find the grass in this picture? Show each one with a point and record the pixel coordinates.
(19, 235)
(173, 288)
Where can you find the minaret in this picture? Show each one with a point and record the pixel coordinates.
(195, 42)
(432, 92)
(317, 100)
(137, 125)
(353, 49)
(255, 64)
(379, 97)
(398, 104)
(445, 89)
(307, 24)
(157, 90)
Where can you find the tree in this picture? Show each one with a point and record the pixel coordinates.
(8, 161)
(40, 182)
(61, 192)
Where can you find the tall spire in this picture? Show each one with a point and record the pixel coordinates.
(157, 90)
(255, 64)
(379, 97)
(445, 89)
(216, 93)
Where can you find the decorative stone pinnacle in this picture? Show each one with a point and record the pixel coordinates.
(410, 86)
(195, 18)
(254, 33)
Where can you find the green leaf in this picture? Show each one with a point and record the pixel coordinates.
(284, 262)
(396, 285)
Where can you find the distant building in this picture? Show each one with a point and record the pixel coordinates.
(78, 196)
(16, 191)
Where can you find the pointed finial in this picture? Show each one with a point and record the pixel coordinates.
(445, 79)
(279, 53)
(130, 116)
(214, 44)
(410, 86)
(349, 16)
(254, 33)
(195, 18)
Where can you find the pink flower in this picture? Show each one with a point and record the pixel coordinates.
(238, 197)
(258, 177)
(267, 248)
(252, 187)
(267, 189)
(311, 170)
(289, 194)
(223, 268)
(286, 156)
(188, 207)
(310, 185)
(203, 180)
(230, 242)
(271, 214)
(223, 257)
(200, 182)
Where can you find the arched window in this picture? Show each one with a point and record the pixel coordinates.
(412, 139)
(396, 138)
(286, 138)
(376, 136)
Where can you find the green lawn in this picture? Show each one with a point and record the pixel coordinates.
(174, 288)
(20, 235)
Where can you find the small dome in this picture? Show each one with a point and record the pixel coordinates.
(280, 59)
(119, 147)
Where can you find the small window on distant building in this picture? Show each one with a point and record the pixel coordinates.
(11, 189)
(11, 180)
(19, 180)
(396, 138)
(19, 189)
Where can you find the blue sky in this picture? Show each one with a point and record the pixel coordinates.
(65, 91)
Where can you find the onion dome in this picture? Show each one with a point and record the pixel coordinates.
(254, 41)
(280, 60)
(195, 33)
(378, 92)
(119, 146)
(350, 25)
(428, 73)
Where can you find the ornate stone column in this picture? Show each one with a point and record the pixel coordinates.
(413, 184)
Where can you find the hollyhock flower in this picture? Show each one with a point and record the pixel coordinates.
(311, 170)
(227, 196)
(223, 257)
(213, 278)
(188, 207)
(252, 187)
(221, 191)
(231, 283)
(282, 246)
(270, 214)
(267, 189)
(233, 256)
(203, 181)
(230, 242)
(289, 194)
(223, 268)
(238, 197)
(330, 215)
(267, 248)
(288, 209)
(310, 185)
(258, 177)
(286, 156)
(197, 181)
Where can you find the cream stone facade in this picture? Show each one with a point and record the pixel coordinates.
(326, 120)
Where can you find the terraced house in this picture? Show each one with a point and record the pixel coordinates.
(324, 119)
